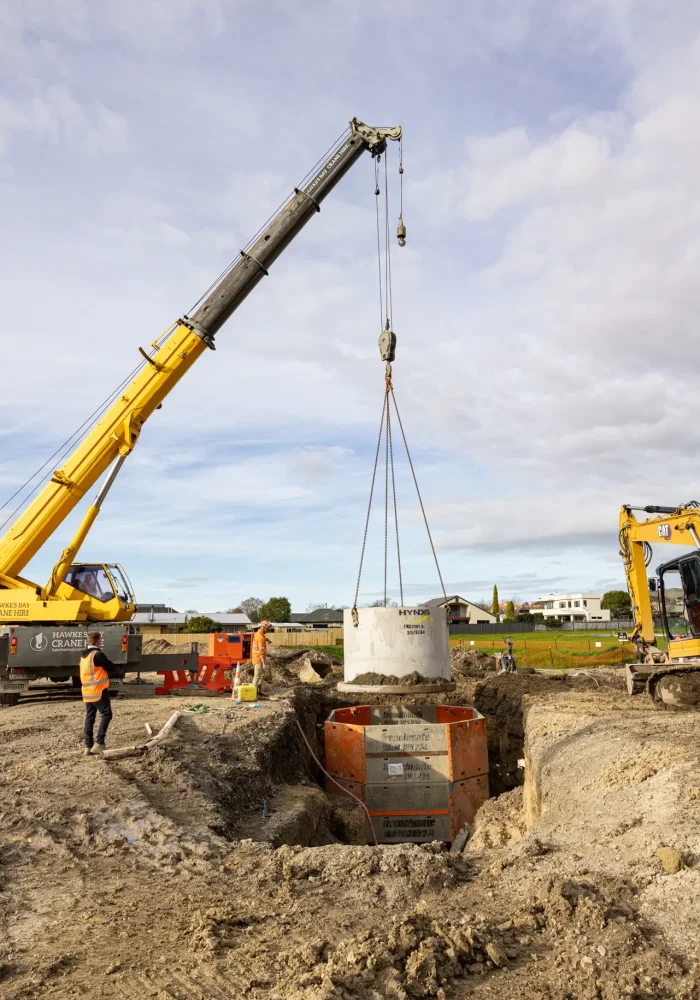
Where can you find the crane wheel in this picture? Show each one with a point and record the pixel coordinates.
(9, 700)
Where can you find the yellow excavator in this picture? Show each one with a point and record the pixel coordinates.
(672, 676)
(42, 626)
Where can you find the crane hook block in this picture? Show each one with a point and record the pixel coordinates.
(387, 344)
(401, 233)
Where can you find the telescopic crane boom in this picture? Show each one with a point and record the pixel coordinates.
(82, 592)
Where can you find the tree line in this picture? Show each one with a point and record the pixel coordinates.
(617, 602)
(279, 609)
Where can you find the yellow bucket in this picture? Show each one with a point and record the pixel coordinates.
(248, 692)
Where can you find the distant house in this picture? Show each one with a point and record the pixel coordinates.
(574, 607)
(154, 622)
(159, 608)
(320, 618)
(286, 627)
(462, 611)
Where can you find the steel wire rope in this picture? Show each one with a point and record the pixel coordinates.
(393, 487)
(386, 497)
(379, 247)
(385, 406)
(386, 311)
(420, 498)
(387, 247)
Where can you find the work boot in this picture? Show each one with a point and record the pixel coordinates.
(87, 751)
(98, 749)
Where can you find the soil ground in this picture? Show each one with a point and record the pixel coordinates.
(213, 866)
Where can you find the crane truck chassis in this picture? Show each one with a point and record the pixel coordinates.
(28, 652)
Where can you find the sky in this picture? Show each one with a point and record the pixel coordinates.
(545, 305)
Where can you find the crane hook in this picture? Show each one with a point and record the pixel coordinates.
(401, 233)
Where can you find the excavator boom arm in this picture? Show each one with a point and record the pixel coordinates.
(673, 525)
(118, 430)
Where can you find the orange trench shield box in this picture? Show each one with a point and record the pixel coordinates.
(421, 770)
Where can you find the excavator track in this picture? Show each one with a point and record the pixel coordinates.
(675, 685)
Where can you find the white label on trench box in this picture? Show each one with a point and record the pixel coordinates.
(403, 738)
(395, 768)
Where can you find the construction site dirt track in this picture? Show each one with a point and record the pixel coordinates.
(160, 876)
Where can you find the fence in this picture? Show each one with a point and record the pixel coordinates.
(314, 637)
(502, 628)
(614, 624)
(511, 628)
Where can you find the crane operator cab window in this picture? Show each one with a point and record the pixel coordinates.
(121, 583)
(690, 579)
(91, 580)
(688, 568)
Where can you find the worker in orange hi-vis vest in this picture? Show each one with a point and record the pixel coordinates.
(95, 670)
(259, 653)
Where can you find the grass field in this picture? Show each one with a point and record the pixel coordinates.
(544, 649)
(336, 651)
(554, 649)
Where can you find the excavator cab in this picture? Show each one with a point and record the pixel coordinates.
(688, 568)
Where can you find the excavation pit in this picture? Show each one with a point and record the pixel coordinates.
(290, 905)
(442, 791)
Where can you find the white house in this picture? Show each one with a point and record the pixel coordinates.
(573, 607)
(462, 611)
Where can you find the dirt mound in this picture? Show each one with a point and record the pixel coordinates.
(286, 654)
(413, 957)
(285, 665)
(276, 652)
(153, 646)
(371, 678)
(158, 646)
(578, 906)
(499, 823)
(472, 662)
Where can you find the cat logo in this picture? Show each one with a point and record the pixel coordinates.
(664, 531)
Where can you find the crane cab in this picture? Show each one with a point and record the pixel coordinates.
(89, 592)
(106, 585)
(688, 568)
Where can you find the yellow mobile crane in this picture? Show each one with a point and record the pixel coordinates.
(673, 676)
(42, 626)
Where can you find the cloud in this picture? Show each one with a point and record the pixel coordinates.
(57, 117)
(545, 305)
